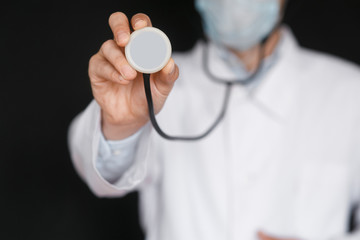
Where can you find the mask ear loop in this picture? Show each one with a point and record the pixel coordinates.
(183, 138)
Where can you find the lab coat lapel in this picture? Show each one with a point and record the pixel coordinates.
(277, 92)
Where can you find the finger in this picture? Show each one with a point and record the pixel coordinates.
(119, 25)
(100, 68)
(263, 236)
(117, 58)
(140, 20)
(164, 80)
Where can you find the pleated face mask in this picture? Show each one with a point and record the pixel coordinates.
(239, 24)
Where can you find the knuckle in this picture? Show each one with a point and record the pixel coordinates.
(119, 29)
(92, 63)
(107, 44)
(92, 60)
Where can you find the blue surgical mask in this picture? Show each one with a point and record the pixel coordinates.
(239, 24)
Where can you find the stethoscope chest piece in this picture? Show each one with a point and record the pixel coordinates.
(148, 50)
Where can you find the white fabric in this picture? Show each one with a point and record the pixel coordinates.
(285, 160)
(115, 157)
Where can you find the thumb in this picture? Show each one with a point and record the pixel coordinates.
(164, 79)
(263, 236)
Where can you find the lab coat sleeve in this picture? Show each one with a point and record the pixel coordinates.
(84, 136)
(115, 157)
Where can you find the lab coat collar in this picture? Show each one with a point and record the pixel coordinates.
(275, 84)
(221, 60)
(277, 91)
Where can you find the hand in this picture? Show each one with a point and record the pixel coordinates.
(118, 88)
(263, 236)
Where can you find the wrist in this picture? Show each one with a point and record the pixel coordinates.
(119, 131)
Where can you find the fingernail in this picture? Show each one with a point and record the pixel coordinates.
(126, 71)
(139, 23)
(122, 37)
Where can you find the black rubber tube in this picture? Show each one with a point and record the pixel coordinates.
(183, 138)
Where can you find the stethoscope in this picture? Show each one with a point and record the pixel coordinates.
(161, 43)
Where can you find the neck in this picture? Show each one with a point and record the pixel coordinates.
(251, 58)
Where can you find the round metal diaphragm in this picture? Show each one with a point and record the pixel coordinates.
(148, 50)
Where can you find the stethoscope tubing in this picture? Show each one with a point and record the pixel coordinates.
(183, 138)
(228, 82)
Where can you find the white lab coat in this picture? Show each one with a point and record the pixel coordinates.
(285, 160)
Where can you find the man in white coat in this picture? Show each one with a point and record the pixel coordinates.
(283, 164)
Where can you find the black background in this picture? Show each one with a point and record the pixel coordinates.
(45, 47)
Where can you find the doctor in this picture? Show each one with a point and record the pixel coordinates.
(283, 164)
